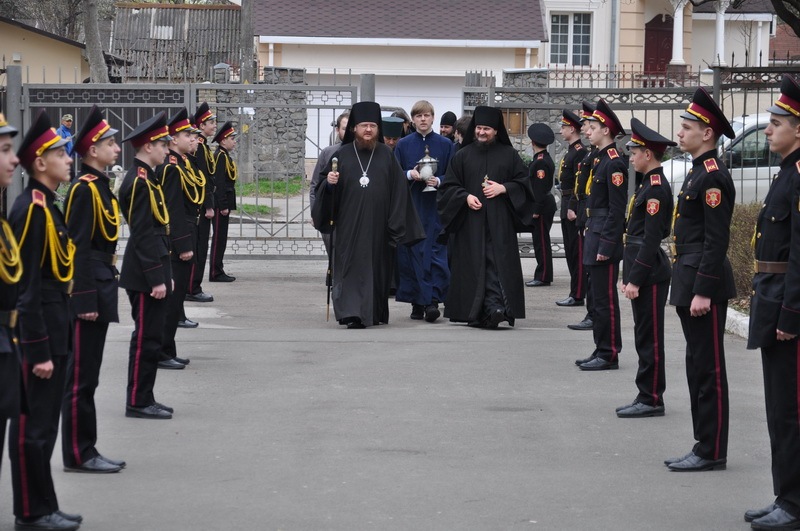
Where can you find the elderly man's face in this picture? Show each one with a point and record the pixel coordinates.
(485, 134)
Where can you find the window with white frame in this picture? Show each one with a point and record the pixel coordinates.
(570, 38)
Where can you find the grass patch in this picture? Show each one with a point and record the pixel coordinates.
(257, 210)
(277, 189)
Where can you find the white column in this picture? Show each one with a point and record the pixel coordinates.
(719, 44)
(759, 48)
(677, 32)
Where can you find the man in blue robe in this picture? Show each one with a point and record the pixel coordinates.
(423, 268)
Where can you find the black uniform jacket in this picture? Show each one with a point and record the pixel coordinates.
(204, 160)
(146, 262)
(568, 175)
(182, 212)
(225, 194)
(703, 218)
(775, 302)
(649, 218)
(542, 169)
(606, 206)
(10, 373)
(577, 202)
(90, 209)
(39, 286)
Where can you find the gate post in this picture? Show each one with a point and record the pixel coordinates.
(367, 87)
(14, 117)
(717, 87)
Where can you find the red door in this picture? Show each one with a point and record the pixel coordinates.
(657, 44)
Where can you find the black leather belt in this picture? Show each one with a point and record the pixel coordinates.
(632, 240)
(685, 248)
(596, 212)
(106, 258)
(8, 318)
(778, 268)
(57, 285)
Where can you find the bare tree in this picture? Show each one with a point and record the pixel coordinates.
(98, 71)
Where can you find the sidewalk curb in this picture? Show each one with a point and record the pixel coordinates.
(737, 323)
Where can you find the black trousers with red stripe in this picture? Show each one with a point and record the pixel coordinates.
(573, 250)
(782, 395)
(32, 439)
(181, 272)
(605, 310)
(219, 240)
(78, 413)
(542, 248)
(648, 329)
(201, 254)
(146, 340)
(707, 378)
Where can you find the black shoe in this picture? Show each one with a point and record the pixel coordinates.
(149, 412)
(777, 519)
(182, 361)
(171, 365)
(417, 312)
(50, 521)
(356, 325)
(570, 301)
(199, 297)
(639, 410)
(222, 278)
(586, 360)
(188, 323)
(71, 517)
(599, 364)
(536, 283)
(432, 312)
(752, 514)
(95, 465)
(695, 463)
(495, 317)
(668, 461)
(121, 464)
(161, 406)
(586, 324)
(626, 406)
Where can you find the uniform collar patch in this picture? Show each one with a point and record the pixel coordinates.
(612, 153)
(655, 180)
(141, 173)
(711, 165)
(88, 178)
(38, 198)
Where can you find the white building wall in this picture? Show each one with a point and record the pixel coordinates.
(740, 35)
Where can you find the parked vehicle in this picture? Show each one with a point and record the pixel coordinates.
(747, 156)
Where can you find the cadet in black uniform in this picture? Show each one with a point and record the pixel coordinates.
(567, 175)
(646, 268)
(702, 279)
(605, 209)
(224, 200)
(206, 122)
(578, 205)
(44, 326)
(541, 173)
(10, 273)
(775, 311)
(184, 192)
(146, 274)
(92, 215)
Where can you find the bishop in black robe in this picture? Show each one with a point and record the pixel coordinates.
(369, 211)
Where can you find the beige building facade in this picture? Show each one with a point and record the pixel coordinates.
(44, 58)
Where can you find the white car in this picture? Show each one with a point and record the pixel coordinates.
(747, 156)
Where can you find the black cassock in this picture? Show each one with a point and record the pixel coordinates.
(498, 221)
(369, 219)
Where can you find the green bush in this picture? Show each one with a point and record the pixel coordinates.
(740, 251)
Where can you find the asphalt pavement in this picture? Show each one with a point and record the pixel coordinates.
(284, 421)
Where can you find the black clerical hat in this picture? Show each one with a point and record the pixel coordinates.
(570, 119)
(224, 132)
(541, 134)
(704, 109)
(363, 111)
(5, 128)
(40, 137)
(587, 110)
(788, 104)
(489, 117)
(94, 129)
(179, 122)
(392, 127)
(606, 116)
(203, 114)
(448, 118)
(644, 137)
(154, 129)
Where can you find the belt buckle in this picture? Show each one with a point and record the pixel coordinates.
(166, 229)
(755, 266)
(588, 212)
(70, 285)
(12, 318)
(673, 249)
(625, 239)
(114, 258)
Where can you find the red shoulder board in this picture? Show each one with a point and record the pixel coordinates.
(655, 180)
(540, 156)
(88, 178)
(173, 159)
(142, 173)
(540, 174)
(201, 140)
(612, 154)
(711, 165)
(38, 198)
(797, 165)
(579, 146)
